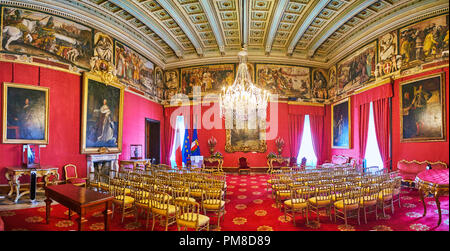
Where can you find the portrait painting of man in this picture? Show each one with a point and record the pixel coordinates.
(25, 114)
(102, 112)
(422, 109)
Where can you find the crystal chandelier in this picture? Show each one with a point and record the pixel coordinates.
(243, 99)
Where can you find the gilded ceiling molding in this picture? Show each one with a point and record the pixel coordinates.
(391, 21)
(145, 17)
(282, 59)
(313, 10)
(97, 19)
(184, 24)
(277, 16)
(338, 21)
(214, 23)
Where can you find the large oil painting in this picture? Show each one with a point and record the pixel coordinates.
(284, 80)
(358, 68)
(101, 115)
(424, 41)
(25, 114)
(134, 70)
(39, 34)
(341, 124)
(422, 106)
(246, 137)
(210, 78)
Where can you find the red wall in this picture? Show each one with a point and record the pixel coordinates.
(64, 117)
(278, 119)
(433, 151)
(136, 110)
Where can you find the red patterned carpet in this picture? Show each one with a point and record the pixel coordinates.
(249, 207)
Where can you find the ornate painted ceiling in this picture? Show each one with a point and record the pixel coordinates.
(179, 33)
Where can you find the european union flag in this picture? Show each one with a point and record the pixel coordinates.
(186, 151)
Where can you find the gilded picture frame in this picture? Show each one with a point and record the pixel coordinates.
(25, 114)
(341, 121)
(422, 109)
(102, 113)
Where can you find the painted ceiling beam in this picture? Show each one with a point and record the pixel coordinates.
(214, 23)
(174, 12)
(313, 11)
(139, 13)
(341, 19)
(275, 23)
(244, 11)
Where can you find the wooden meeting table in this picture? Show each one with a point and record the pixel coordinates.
(433, 182)
(80, 200)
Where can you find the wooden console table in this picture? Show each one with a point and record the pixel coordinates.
(80, 200)
(433, 182)
(13, 175)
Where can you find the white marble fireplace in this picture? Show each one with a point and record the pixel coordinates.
(96, 160)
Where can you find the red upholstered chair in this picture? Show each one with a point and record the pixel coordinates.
(212, 164)
(303, 163)
(243, 165)
(71, 176)
(2, 225)
(293, 162)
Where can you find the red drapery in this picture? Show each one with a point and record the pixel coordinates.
(363, 115)
(296, 123)
(381, 119)
(316, 123)
(169, 133)
(379, 96)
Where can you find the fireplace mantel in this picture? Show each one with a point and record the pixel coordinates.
(113, 158)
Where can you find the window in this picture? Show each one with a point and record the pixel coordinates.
(180, 137)
(306, 147)
(372, 155)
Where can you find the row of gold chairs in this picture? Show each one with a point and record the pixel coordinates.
(171, 196)
(345, 192)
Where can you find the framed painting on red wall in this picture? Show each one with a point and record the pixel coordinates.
(102, 113)
(25, 114)
(422, 109)
(341, 124)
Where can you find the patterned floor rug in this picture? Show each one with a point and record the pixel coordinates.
(249, 207)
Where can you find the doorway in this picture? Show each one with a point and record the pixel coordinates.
(152, 140)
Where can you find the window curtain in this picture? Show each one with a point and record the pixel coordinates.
(169, 133)
(296, 123)
(363, 115)
(381, 109)
(379, 96)
(316, 123)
